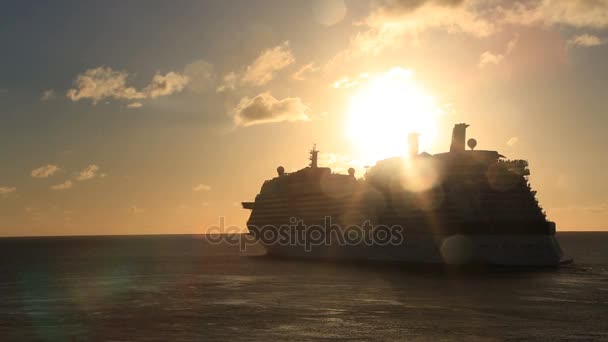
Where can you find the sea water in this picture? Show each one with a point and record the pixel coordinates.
(181, 288)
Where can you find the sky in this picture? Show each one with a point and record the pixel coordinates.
(156, 117)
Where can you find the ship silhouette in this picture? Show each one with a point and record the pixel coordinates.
(461, 206)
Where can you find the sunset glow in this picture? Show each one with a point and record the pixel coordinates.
(158, 118)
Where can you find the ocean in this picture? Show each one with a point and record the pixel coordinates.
(181, 288)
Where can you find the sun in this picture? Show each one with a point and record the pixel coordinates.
(385, 110)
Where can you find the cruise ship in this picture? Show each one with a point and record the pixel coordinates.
(464, 206)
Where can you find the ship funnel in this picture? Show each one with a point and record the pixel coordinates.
(313, 157)
(459, 135)
(412, 142)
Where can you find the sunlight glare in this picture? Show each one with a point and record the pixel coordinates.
(385, 110)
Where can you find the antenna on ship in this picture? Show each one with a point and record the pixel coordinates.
(313, 156)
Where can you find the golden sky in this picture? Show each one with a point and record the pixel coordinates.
(161, 117)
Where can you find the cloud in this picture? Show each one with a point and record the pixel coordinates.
(48, 95)
(89, 172)
(3, 90)
(345, 83)
(103, 82)
(134, 105)
(5, 190)
(264, 108)
(163, 85)
(576, 14)
(100, 83)
(62, 186)
(586, 40)
(488, 58)
(393, 20)
(513, 141)
(201, 187)
(228, 82)
(512, 44)
(45, 171)
(201, 75)
(482, 17)
(393, 23)
(262, 70)
(303, 73)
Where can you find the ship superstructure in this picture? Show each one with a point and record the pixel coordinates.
(461, 206)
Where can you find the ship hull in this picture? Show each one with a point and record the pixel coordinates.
(495, 249)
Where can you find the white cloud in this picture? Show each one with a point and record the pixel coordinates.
(262, 70)
(62, 186)
(89, 172)
(45, 171)
(163, 85)
(135, 105)
(5, 190)
(512, 44)
(304, 71)
(104, 82)
(100, 83)
(345, 83)
(48, 95)
(491, 58)
(576, 14)
(201, 187)
(513, 141)
(393, 23)
(264, 108)
(482, 18)
(586, 40)
(488, 58)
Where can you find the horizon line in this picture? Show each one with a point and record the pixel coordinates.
(201, 234)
